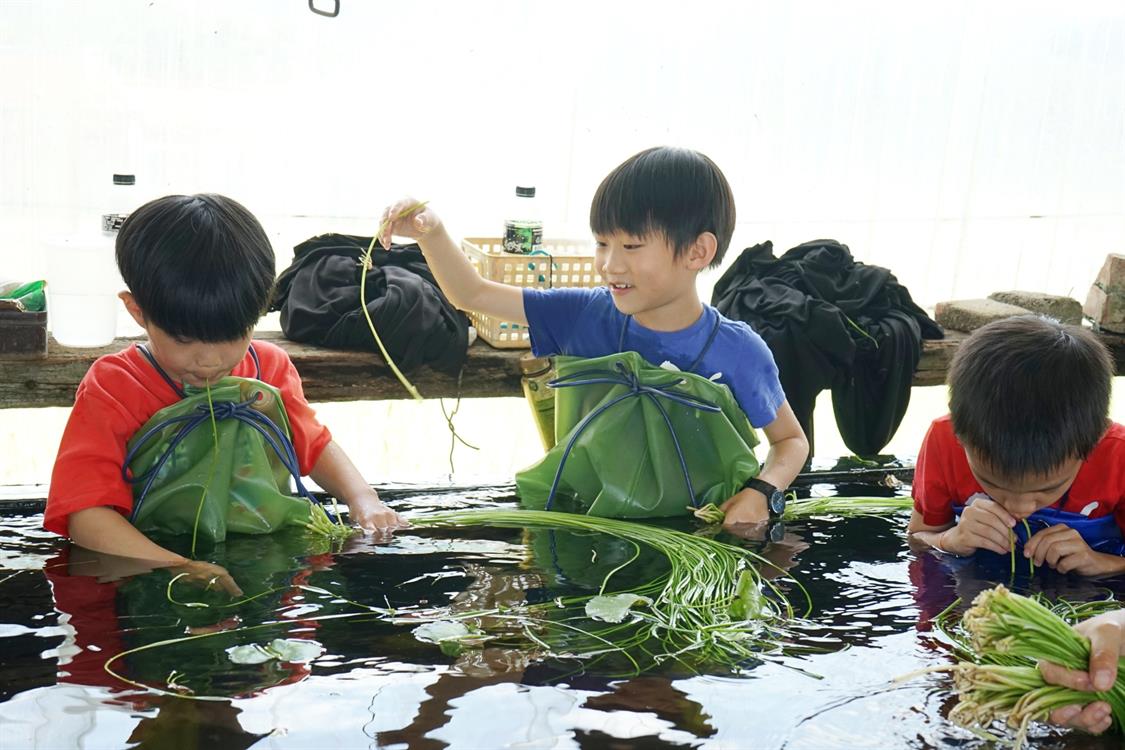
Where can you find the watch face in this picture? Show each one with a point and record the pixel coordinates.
(777, 502)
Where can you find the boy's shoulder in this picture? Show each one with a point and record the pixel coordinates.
(270, 352)
(1112, 444)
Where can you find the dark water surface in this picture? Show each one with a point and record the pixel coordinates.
(64, 613)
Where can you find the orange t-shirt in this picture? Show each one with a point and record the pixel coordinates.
(119, 393)
(942, 477)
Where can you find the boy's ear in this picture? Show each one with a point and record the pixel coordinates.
(134, 309)
(702, 251)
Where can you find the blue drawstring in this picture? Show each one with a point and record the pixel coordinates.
(629, 379)
(240, 410)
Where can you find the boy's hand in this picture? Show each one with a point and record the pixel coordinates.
(373, 516)
(1064, 549)
(207, 575)
(406, 218)
(984, 525)
(746, 507)
(1107, 644)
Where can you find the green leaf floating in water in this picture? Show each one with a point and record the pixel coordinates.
(747, 604)
(613, 607)
(451, 636)
(282, 649)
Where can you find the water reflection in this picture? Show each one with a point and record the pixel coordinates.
(378, 686)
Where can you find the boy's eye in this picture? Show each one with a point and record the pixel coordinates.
(631, 246)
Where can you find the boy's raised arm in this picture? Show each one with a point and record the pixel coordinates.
(464, 287)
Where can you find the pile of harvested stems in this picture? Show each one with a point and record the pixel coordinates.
(707, 608)
(847, 507)
(1001, 638)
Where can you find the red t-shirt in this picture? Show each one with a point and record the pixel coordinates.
(942, 477)
(119, 393)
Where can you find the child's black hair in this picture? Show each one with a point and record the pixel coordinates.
(1027, 394)
(199, 266)
(674, 191)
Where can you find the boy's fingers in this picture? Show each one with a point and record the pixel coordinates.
(1105, 650)
(995, 509)
(1059, 675)
(227, 584)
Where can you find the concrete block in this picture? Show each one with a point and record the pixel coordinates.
(971, 314)
(1106, 309)
(1062, 309)
(1112, 276)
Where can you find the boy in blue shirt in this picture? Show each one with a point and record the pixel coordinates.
(659, 219)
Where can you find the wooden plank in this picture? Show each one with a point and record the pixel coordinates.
(338, 375)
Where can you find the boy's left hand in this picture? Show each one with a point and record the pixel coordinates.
(373, 516)
(1064, 549)
(746, 507)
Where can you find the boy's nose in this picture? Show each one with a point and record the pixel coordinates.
(610, 262)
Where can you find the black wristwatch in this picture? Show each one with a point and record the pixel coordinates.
(775, 498)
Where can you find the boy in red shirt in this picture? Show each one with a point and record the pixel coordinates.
(1028, 439)
(200, 271)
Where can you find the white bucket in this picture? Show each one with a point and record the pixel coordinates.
(82, 287)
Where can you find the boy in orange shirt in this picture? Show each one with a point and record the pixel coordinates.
(200, 271)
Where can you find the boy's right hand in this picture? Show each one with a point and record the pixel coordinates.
(207, 575)
(984, 525)
(1107, 644)
(407, 218)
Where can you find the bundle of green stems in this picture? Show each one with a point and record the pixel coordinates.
(1003, 636)
(707, 607)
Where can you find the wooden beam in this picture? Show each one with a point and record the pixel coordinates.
(338, 375)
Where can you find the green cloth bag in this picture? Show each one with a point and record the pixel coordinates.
(173, 461)
(618, 420)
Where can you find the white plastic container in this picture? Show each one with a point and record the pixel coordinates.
(82, 287)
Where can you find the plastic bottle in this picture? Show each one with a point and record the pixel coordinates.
(537, 373)
(523, 231)
(120, 204)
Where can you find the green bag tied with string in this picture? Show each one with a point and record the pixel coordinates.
(621, 419)
(241, 487)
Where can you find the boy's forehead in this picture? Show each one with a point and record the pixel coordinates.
(1029, 482)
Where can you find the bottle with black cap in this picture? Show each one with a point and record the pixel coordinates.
(523, 231)
(122, 201)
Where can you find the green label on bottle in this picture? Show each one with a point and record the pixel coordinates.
(523, 237)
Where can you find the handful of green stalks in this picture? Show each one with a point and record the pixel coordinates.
(708, 607)
(1007, 635)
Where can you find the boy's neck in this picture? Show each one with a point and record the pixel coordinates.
(674, 316)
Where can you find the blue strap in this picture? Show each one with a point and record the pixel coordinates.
(702, 352)
(655, 392)
(242, 411)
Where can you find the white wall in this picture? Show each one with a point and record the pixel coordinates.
(969, 146)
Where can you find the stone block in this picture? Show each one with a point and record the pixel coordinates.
(1062, 309)
(971, 314)
(1112, 276)
(1106, 309)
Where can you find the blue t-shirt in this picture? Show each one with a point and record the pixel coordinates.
(586, 323)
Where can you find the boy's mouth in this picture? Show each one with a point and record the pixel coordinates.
(620, 288)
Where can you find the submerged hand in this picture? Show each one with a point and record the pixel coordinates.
(746, 507)
(207, 575)
(373, 516)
